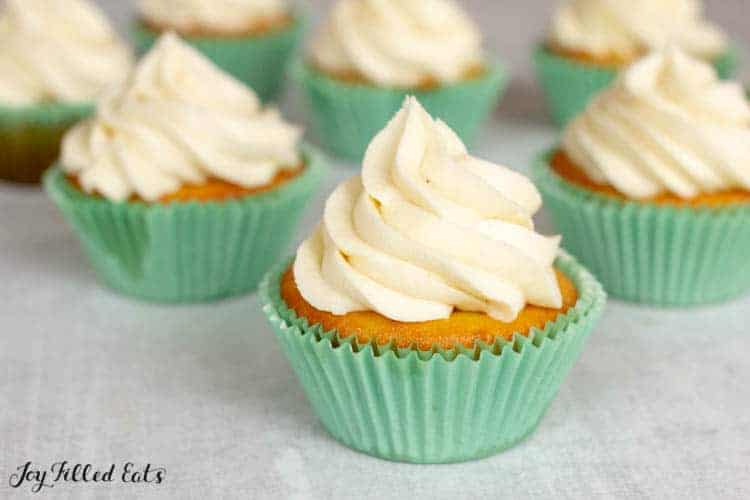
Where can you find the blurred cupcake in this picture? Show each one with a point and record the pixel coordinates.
(57, 56)
(182, 188)
(425, 318)
(651, 185)
(370, 54)
(253, 40)
(591, 40)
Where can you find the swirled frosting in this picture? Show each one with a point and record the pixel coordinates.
(667, 125)
(427, 229)
(399, 43)
(178, 120)
(212, 16)
(57, 50)
(630, 29)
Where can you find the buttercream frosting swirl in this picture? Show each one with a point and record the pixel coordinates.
(178, 120)
(211, 16)
(57, 50)
(667, 125)
(630, 29)
(427, 229)
(399, 43)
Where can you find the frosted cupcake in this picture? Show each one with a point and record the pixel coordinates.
(57, 56)
(426, 319)
(370, 54)
(651, 184)
(182, 187)
(253, 40)
(591, 40)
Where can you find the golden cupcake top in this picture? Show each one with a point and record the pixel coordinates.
(427, 229)
(399, 43)
(667, 125)
(214, 17)
(57, 51)
(625, 30)
(178, 120)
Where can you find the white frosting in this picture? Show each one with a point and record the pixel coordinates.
(399, 43)
(178, 120)
(631, 28)
(57, 50)
(427, 229)
(668, 124)
(217, 16)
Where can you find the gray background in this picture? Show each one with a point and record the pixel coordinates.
(657, 406)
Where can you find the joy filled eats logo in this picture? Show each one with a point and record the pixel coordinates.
(35, 478)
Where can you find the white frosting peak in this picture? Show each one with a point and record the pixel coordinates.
(427, 229)
(667, 125)
(213, 16)
(399, 43)
(630, 28)
(57, 50)
(178, 120)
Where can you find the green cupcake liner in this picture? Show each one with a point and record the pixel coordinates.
(30, 137)
(186, 252)
(569, 85)
(647, 253)
(345, 117)
(260, 62)
(437, 406)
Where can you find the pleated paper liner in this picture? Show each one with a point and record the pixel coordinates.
(435, 406)
(649, 253)
(259, 61)
(569, 85)
(345, 117)
(186, 252)
(30, 137)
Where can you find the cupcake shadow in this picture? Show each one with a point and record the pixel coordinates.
(42, 244)
(523, 103)
(239, 364)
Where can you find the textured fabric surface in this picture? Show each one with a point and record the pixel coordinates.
(656, 406)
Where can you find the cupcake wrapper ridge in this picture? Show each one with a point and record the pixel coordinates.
(569, 85)
(651, 254)
(345, 117)
(437, 406)
(186, 252)
(30, 137)
(259, 61)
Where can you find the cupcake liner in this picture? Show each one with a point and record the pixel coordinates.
(569, 85)
(345, 116)
(186, 252)
(30, 137)
(437, 406)
(260, 61)
(650, 253)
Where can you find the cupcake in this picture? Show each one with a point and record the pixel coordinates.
(651, 184)
(370, 54)
(425, 318)
(253, 40)
(591, 40)
(182, 187)
(57, 56)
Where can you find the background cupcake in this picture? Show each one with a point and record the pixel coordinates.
(57, 56)
(426, 319)
(183, 188)
(250, 39)
(370, 54)
(591, 40)
(651, 185)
